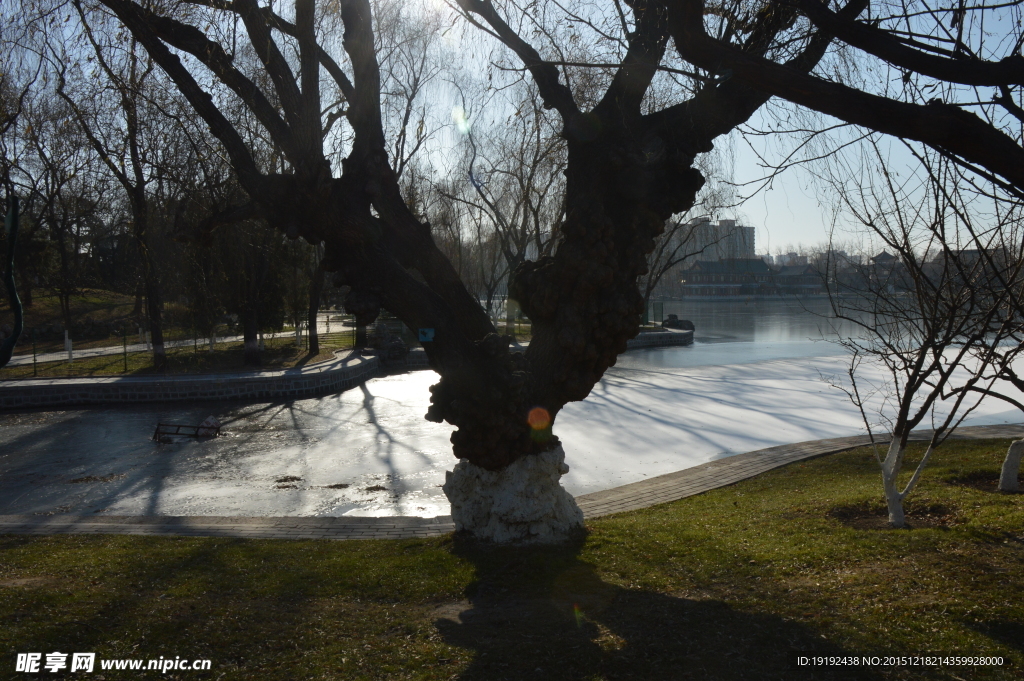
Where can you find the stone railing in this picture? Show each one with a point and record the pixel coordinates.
(320, 379)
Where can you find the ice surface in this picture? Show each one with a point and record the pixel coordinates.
(640, 421)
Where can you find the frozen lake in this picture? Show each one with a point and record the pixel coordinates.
(749, 381)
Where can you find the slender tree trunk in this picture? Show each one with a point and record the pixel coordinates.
(890, 472)
(1008, 477)
(512, 306)
(150, 283)
(250, 334)
(316, 288)
(510, 320)
(64, 287)
(65, 307)
(25, 289)
(155, 323)
(140, 291)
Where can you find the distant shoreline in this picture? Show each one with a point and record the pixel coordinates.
(752, 298)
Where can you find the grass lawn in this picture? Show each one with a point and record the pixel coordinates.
(111, 307)
(731, 584)
(100, 305)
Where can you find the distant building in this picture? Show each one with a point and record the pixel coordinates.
(723, 241)
(799, 280)
(790, 260)
(728, 277)
(708, 242)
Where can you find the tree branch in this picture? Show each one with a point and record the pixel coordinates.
(133, 18)
(939, 125)
(880, 43)
(556, 95)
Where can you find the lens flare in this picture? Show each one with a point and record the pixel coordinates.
(461, 120)
(539, 418)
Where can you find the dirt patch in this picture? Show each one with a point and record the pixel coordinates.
(59, 509)
(25, 582)
(377, 488)
(875, 516)
(286, 487)
(30, 418)
(985, 480)
(289, 478)
(511, 610)
(340, 485)
(99, 478)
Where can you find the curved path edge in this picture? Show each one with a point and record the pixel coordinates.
(347, 370)
(637, 495)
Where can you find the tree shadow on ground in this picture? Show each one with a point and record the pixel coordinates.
(1005, 631)
(542, 613)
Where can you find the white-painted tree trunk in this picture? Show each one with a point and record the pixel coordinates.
(1011, 468)
(891, 467)
(521, 504)
(890, 472)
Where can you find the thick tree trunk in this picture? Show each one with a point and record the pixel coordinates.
(365, 307)
(583, 304)
(316, 287)
(521, 503)
(582, 301)
(1008, 477)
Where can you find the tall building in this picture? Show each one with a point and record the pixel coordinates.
(708, 242)
(723, 241)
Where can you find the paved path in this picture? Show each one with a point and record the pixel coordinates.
(659, 490)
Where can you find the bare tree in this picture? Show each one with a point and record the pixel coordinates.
(122, 131)
(316, 287)
(11, 239)
(513, 179)
(629, 168)
(932, 324)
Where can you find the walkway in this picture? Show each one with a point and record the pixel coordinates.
(659, 490)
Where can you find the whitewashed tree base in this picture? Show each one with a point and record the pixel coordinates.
(521, 504)
(1011, 468)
